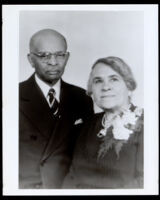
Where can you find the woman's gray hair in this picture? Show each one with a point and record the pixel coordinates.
(118, 65)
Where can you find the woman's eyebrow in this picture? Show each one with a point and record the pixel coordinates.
(114, 76)
(97, 77)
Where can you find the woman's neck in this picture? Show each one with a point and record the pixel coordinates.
(111, 113)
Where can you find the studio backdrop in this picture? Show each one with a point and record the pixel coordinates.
(90, 35)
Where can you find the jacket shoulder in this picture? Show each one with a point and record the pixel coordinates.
(26, 88)
(23, 84)
(74, 88)
(78, 98)
(26, 83)
(76, 92)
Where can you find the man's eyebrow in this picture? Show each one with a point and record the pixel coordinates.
(42, 52)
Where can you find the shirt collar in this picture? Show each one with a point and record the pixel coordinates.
(45, 88)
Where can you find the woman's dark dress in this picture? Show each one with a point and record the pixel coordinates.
(88, 171)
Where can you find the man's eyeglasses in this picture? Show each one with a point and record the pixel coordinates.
(46, 56)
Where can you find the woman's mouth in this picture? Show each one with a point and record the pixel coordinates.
(107, 96)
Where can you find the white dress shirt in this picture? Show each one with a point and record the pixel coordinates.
(45, 88)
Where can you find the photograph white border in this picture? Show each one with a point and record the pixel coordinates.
(10, 77)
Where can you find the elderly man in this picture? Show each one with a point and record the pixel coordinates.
(50, 110)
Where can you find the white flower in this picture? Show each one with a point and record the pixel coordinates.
(129, 118)
(119, 130)
(102, 133)
(121, 124)
(121, 133)
(138, 111)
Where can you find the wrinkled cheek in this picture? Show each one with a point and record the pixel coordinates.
(97, 100)
(62, 70)
(41, 71)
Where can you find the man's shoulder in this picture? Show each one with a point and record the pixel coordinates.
(23, 84)
(27, 87)
(77, 95)
(73, 88)
(26, 83)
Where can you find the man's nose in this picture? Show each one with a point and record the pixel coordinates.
(52, 60)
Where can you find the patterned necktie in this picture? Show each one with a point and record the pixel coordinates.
(53, 102)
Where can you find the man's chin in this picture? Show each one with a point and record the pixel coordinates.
(52, 81)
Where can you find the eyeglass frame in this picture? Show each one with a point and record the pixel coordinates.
(49, 54)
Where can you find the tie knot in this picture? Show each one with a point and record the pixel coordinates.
(51, 95)
(51, 91)
(52, 101)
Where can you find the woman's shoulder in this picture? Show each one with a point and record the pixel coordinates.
(137, 110)
(91, 125)
(96, 116)
(93, 121)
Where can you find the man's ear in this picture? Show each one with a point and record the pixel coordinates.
(30, 59)
(68, 54)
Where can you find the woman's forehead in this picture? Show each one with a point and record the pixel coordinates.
(103, 70)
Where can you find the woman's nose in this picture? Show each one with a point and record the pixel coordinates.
(106, 86)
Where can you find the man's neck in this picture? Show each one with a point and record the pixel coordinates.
(49, 83)
(45, 86)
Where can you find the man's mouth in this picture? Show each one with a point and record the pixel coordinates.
(52, 72)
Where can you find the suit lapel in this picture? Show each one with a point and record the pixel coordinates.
(35, 106)
(62, 124)
(64, 98)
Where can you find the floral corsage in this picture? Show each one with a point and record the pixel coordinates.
(116, 132)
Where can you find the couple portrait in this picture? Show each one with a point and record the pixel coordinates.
(62, 142)
(81, 100)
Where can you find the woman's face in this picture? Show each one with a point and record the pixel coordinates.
(108, 88)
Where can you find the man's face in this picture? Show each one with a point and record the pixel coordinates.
(48, 67)
(109, 89)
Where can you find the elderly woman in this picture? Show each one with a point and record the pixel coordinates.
(109, 151)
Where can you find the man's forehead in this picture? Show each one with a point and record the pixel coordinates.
(48, 34)
(47, 39)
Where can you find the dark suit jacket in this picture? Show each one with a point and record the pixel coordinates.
(46, 141)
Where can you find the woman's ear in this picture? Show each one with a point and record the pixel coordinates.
(130, 95)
